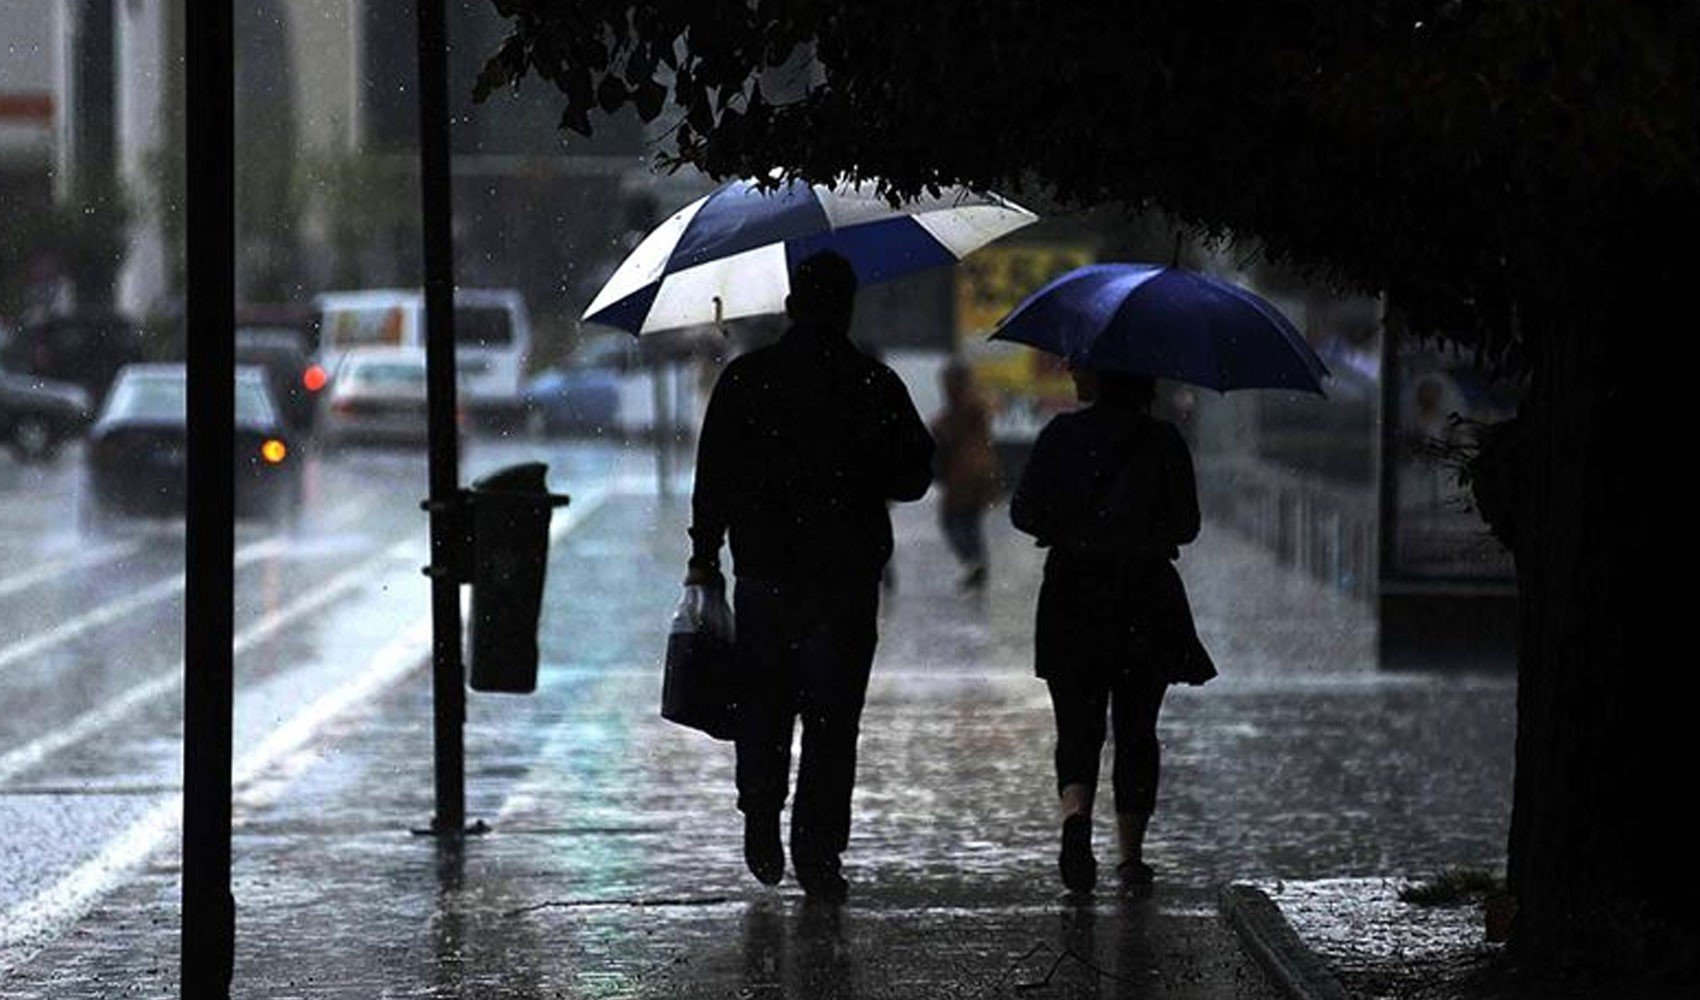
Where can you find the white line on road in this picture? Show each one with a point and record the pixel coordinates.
(55, 907)
(393, 661)
(583, 505)
(98, 719)
(111, 611)
(160, 590)
(30, 924)
(54, 567)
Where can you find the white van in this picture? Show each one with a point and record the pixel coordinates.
(492, 337)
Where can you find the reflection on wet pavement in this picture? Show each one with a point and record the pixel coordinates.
(614, 867)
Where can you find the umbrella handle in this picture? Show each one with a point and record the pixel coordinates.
(719, 318)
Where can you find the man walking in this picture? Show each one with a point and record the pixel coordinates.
(803, 444)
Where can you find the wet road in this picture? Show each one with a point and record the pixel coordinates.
(91, 653)
(1301, 762)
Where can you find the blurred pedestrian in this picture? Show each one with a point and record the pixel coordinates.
(967, 469)
(803, 444)
(1110, 490)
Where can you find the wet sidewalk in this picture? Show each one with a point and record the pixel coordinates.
(613, 864)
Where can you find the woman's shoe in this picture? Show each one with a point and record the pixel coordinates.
(1135, 874)
(1079, 869)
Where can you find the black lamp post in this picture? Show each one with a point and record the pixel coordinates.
(208, 932)
(448, 689)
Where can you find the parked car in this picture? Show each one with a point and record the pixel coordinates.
(295, 381)
(85, 349)
(38, 415)
(585, 394)
(137, 447)
(575, 400)
(376, 396)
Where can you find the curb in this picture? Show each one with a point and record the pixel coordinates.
(1267, 936)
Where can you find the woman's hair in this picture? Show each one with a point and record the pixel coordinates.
(1139, 391)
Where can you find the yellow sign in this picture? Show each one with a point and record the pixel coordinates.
(992, 281)
(1025, 385)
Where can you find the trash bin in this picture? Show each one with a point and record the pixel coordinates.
(510, 511)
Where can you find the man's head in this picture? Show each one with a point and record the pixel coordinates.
(823, 291)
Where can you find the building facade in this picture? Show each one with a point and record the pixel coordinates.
(327, 120)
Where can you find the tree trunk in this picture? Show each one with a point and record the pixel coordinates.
(1599, 844)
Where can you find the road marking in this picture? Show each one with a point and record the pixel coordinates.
(98, 719)
(54, 908)
(160, 590)
(54, 567)
(27, 926)
(643, 484)
(583, 505)
(396, 659)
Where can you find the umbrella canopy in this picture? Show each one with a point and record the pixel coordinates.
(1166, 322)
(730, 254)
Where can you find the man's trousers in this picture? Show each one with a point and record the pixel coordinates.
(803, 651)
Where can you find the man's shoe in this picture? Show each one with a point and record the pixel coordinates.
(1079, 869)
(764, 853)
(822, 879)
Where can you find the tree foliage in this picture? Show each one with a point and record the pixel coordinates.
(85, 236)
(1459, 155)
(370, 213)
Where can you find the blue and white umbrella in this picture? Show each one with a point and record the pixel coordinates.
(730, 254)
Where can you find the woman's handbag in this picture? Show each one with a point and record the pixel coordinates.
(699, 687)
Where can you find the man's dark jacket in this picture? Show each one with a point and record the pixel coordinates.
(804, 443)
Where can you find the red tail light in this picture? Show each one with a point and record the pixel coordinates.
(314, 378)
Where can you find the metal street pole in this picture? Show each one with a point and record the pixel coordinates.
(209, 912)
(448, 690)
(662, 426)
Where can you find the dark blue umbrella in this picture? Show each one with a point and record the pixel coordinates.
(1164, 321)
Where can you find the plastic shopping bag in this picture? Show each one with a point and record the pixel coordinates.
(698, 687)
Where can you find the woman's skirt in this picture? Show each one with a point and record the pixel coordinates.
(1107, 614)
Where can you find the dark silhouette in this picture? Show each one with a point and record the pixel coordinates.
(1109, 489)
(967, 470)
(802, 445)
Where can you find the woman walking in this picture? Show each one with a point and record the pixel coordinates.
(1109, 490)
(967, 470)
